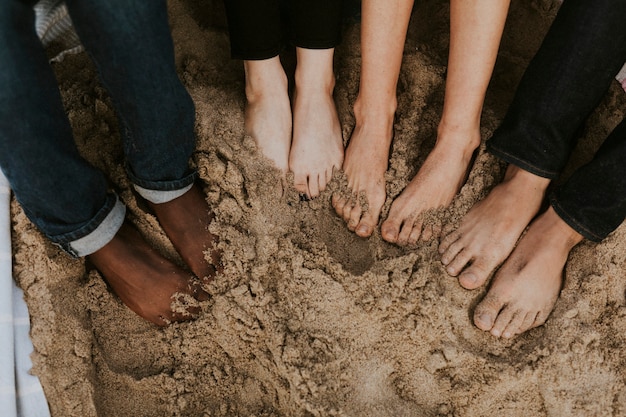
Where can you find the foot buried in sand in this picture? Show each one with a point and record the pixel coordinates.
(437, 182)
(526, 287)
(149, 284)
(186, 222)
(489, 232)
(365, 165)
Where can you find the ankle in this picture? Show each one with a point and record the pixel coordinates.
(464, 136)
(516, 174)
(560, 230)
(264, 79)
(375, 116)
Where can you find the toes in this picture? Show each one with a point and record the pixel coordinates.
(456, 261)
(505, 316)
(446, 243)
(427, 233)
(314, 186)
(514, 326)
(353, 217)
(390, 229)
(474, 275)
(541, 318)
(486, 312)
(338, 202)
(367, 224)
(416, 233)
(300, 183)
(197, 291)
(406, 230)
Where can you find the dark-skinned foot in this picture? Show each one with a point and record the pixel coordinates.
(149, 284)
(186, 221)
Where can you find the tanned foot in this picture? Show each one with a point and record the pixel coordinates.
(525, 288)
(186, 221)
(268, 110)
(489, 232)
(440, 178)
(365, 165)
(145, 281)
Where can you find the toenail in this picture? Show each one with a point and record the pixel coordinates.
(495, 332)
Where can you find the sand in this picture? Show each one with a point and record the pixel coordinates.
(308, 319)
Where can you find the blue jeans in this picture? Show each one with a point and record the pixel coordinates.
(61, 193)
(571, 72)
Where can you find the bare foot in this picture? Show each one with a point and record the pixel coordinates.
(440, 178)
(144, 280)
(489, 232)
(526, 287)
(317, 146)
(268, 111)
(365, 164)
(186, 221)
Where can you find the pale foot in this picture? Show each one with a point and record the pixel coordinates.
(317, 147)
(144, 280)
(186, 221)
(526, 287)
(365, 164)
(439, 179)
(489, 232)
(268, 111)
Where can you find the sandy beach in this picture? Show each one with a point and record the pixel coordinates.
(308, 319)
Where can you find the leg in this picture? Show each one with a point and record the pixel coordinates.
(475, 31)
(268, 110)
(256, 37)
(317, 146)
(575, 65)
(64, 196)
(591, 204)
(132, 47)
(384, 26)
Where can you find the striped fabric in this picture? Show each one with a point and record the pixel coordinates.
(21, 394)
(54, 26)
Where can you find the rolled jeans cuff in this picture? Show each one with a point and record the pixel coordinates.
(158, 192)
(520, 161)
(101, 235)
(574, 223)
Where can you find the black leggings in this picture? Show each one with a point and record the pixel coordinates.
(259, 29)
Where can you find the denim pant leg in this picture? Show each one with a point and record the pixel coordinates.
(593, 200)
(64, 196)
(131, 44)
(572, 70)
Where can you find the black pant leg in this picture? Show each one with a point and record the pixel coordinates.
(315, 24)
(572, 70)
(255, 28)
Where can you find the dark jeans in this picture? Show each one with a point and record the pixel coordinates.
(63, 195)
(259, 29)
(573, 69)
